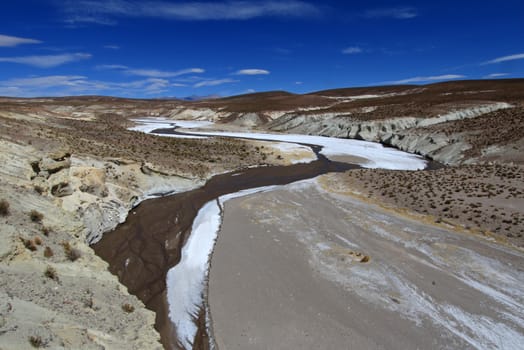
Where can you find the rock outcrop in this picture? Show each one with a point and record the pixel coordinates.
(59, 203)
(405, 133)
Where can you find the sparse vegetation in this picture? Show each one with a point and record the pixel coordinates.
(71, 253)
(36, 216)
(48, 252)
(45, 231)
(458, 195)
(4, 207)
(29, 244)
(89, 302)
(51, 273)
(36, 341)
(128, 307)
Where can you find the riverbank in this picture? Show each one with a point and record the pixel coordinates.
(64, 182)
(287, 272)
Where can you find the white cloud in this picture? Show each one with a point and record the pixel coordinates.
(11, 41)
(150, 73)
(156, 86)
(73, 21)
(352, 50)
(214, 82)
(97, 11)
(154, 73)
(299, 82)
(66, 85)
(45, 81)
(112, 67)
(392, 12)
(112, 47)
(519, 56)
(495, 75)
(252, 72)
(47, 61)
(424, 79)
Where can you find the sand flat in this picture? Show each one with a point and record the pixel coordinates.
(285, 274)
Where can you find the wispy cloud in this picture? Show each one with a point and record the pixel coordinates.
(111, 67)
(518, 56)
(112, 47)
(97, 11)
(425, 79)
(47, 61)
(391, 12)
(252, 72)
(214, 82)
(495, 75)
(66, 85)
(352, 50)
(154, 73)
(151, 73)
(11, 41)
(45, 81)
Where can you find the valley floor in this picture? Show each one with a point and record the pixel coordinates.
(305, 267)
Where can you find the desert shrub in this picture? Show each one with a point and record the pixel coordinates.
(39, 189)
(45, 231)
(128, 308)
(37, 240)
(36, 216)
(48, 252)
(71, 253)
(4, 207)
(51, 273)
(36, 341)
(29, 244)
(89, 302)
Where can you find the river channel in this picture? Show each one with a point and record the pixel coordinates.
(143, 249)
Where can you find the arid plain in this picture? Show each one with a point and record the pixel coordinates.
(373, 257)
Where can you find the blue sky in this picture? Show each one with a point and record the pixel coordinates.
(166, 48)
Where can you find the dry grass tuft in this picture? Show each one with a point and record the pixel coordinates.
(48, 252)
(36, 341)
(46, 231)
(128, 307)
(29, 244)
(51, 273)
(36, 216)
(4, 207)
(71, 253)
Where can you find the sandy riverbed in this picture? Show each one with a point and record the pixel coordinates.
(285, 274)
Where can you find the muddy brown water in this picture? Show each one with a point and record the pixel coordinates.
(149, 243)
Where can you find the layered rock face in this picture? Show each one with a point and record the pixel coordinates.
(54, 290)
(405, 133)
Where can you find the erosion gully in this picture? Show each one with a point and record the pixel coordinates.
(141, 250)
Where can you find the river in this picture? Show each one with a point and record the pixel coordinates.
(143, 249)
